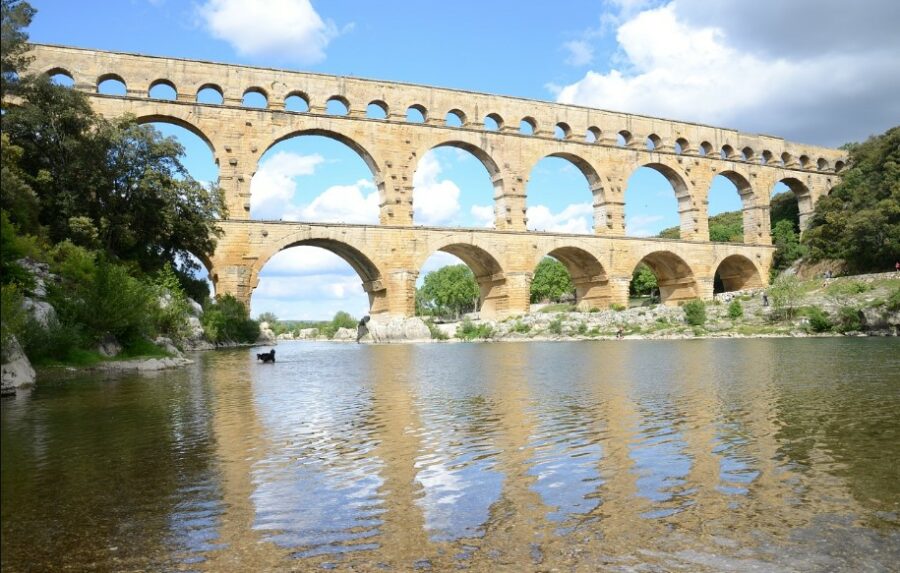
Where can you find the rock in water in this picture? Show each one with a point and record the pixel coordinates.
(397, 329)
(17, 372)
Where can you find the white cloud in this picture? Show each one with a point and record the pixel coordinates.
(435, 201)
(285, 29)
(642, 225)
(581, 53)
(677, 65)
(341, 204)
(483, 215)
(575, 218)
(306, 261)
(272, 188)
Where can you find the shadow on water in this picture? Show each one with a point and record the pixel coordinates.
(774, 455)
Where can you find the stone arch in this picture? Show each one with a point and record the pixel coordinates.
(593, 134)
(674, 276)
(337, 136)
(59, 71)
(368, 271)
(804, 199)
(737, 272)
(489, 273)
(341, 100)
(377, 109)
(414, 109)
(301, 97)
(601, 218)
(528, 125)
(654, 142)
(495, 117)
(460, 117)
(587, 274)
(753, 227)
(682, 146)
(216, 88)
(180, 122)
(687, 206)
(255, 90)
(822, 164)
(162, 82)
(562, 131)
(110, 77)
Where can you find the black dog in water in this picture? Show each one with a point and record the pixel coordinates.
(266, 356)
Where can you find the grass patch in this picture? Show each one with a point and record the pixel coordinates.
(468, 330)
(561, 307)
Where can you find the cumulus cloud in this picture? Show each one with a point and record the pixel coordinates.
(575, 218)
(642, 225)
(483, 215)
(284, 29)
(272, 188)
(581, 53)
(357, 203)
(696, 61)
(435, 201)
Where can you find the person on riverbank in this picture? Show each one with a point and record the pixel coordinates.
(765, 297)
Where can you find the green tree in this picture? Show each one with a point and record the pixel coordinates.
(15, 16)
(695, 312)
(551, 281)
(643, 281)
(787, 243)
(451, 289)
(785, 293)
(859, 220)
(112, 184)
(227, 320)
(17, 198)
(268, 317)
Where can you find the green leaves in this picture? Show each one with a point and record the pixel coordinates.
(859, 221)
(450, 289)
(551, 281)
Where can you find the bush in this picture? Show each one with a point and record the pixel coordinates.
(893, 301)
(819, 320)
(695, 312)
(436, 333)
(13, 318)
(521, 327)
(848, 319)
(617, 307)
(171, 309)
(582, 328)
(555, 326)
(735, 310)
(57, 342)
(468, 330)
(785, 292)
(227, 320)
(342, 319)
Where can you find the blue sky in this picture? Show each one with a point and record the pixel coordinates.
(810, 70)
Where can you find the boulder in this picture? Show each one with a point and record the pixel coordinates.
(307, 334)
(109, 346)
(345, 334)
(265, 333)
(42, 311)
(397, 330)
(17, 371)
(167, 345)
(194, 307)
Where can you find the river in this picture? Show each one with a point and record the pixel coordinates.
(699, 455)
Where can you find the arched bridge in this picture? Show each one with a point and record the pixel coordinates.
(508, 135)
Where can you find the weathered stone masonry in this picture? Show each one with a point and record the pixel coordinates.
(388, 256)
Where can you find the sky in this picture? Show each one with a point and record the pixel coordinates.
(824, 72)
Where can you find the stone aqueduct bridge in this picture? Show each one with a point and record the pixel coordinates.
(388, 256)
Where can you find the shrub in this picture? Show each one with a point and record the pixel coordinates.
(819, 320)
(785, 292)
(582, 328)
(695, 312)
(57, 342)
(521, 327)
(342, 319)
(13, 318)
(436, 333)
(227, 320)
(617, 307)
(555, 326)
(893, 301)
(468, 330)
(735, 310)
(172, 309)
(848, 319)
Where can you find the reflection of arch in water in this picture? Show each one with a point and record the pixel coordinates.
(587, 274)
(488, 273)
(737, 272)
(370, 274)
(673, 276)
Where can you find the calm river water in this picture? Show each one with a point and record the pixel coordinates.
(708, 455)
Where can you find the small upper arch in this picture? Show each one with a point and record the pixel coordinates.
(297, 101)
(112, 84)
(455, 118)
(527, 126)
(211, 94)
(416, 113)
(562, 131)
(493, 122)
(377, 109)
(255, 97)
(162, 89)
(337, 105)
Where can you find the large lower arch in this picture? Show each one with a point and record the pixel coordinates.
(577, 209)
(587, 274)
(492, 281)
(737, 272)
(369, 273)
(754, 219)
(674, 276)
